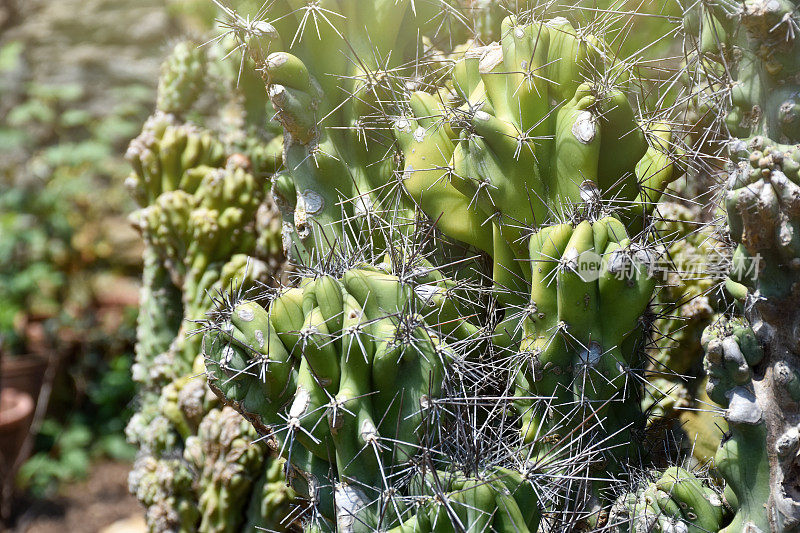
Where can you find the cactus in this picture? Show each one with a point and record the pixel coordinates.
(749, 57)
(676, 501)
(164, 486)
(687, 303)
(342, 374)
(749, 51)
(732, 351)
(465, 346)
(577, 153)
(209, 228)
(194, 215)
(182, 78)
(578, 346)
(523, 137)
(228, 464)
(270, 506)
(330, 74)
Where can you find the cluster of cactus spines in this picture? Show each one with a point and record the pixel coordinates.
(342, 375)
(527, 132)
(690, 301)
(580, 358)
(676, 501)
(496, 146)
(332, 73)
(749, 57)
(209, 228)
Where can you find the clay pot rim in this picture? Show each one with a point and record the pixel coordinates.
(15, 406)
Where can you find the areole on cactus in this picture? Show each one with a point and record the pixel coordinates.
(204, 216)
(749, 56)
(474, 230)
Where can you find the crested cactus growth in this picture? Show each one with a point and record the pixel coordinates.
(676, 501)
(209, 228)
(732, 351)
(355, 374)
(540, 127)
(749, 56)
(331, 72)
(579, 348)
(343, 375)
(497, 381)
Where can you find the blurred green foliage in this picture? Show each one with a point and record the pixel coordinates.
(69, 260)
(67, 447)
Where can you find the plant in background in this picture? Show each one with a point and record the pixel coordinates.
(690, 301)
(748, 58)
(68, 261)
(527, 151)
(35, 246)
(208, 228)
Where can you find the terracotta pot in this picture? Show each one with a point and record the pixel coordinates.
(23, 373)
(16, 412)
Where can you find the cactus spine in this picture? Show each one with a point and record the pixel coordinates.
(204, 216)
(495, 382)
(752, 53)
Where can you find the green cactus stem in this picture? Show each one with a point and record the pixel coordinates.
(342, 374)
(676, 501)
(182, 78)
(732, 352)
(576, 379)
(331, 76)
(528, 132)
(749, 51)
(204, 212)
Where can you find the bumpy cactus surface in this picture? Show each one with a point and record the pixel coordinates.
(479, 335)
(750, 55)
(208, 229)
(732, 351)
(676, 501)
(344, 375)
(527, 132)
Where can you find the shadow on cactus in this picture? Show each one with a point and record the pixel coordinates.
(344, 377)
(528, 152)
